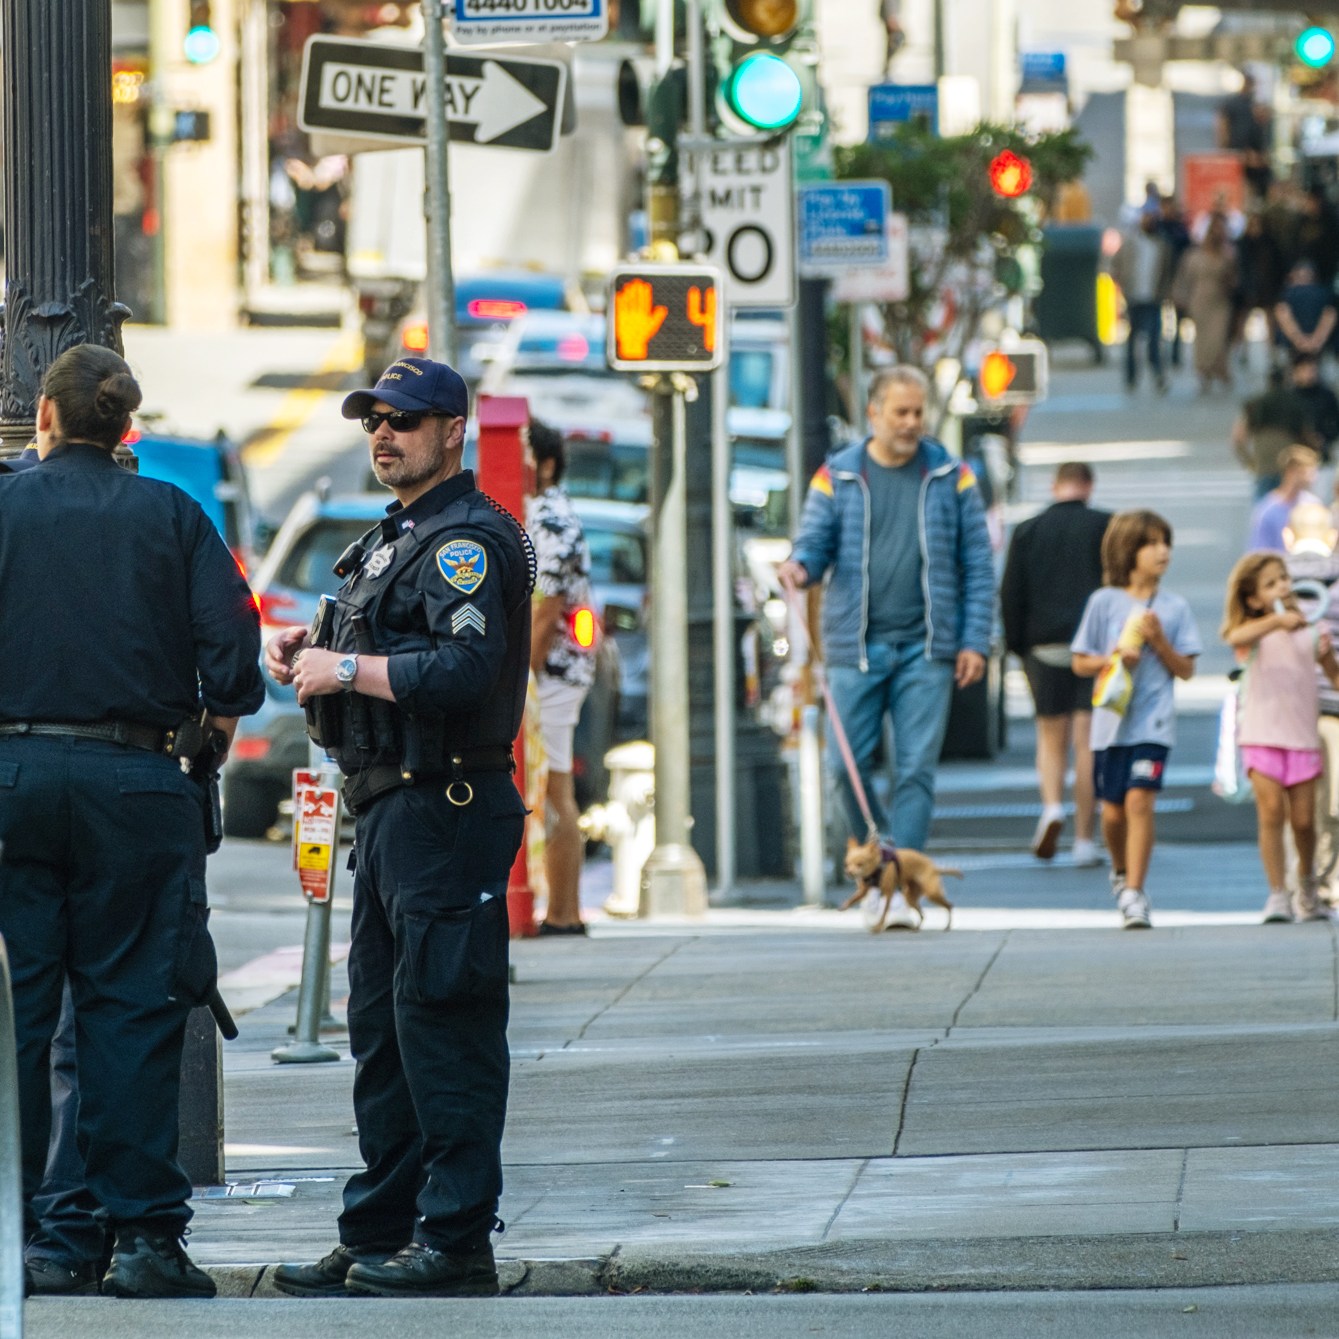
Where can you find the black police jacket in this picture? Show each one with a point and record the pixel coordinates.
(443, 590)
(124, 599)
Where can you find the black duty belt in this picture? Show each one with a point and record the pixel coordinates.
(362, 787)
(111, 732)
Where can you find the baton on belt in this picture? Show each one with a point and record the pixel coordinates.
(222, 1018)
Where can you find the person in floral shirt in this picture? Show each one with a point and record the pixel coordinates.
(563, 668)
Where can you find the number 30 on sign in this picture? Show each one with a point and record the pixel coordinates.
(665, 318)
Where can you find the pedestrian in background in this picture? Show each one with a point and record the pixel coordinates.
(1053, 565)
(1205, 287)
(1310, 539)
(1297, 475)
(1265, 427)
(1142, 269)
(1173, 230)
(103, 832)
(1304, 315)
(1152, 634)
(1277, 730)
(563, 667)
(896, 526)
(415, 684)
(1319, 404)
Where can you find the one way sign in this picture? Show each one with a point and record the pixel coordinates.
(374, 90)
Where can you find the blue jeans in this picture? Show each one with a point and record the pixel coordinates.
(915, 692)
(1145, 323)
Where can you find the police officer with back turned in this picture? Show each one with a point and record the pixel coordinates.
(142, 648)
(414, 680)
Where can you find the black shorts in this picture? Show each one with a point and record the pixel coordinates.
(1126, 767)
(1056, 689)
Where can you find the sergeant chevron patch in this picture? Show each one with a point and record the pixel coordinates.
(468, 616)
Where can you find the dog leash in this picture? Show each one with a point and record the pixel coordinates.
(839, 733)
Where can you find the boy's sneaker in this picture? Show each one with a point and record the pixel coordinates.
(1307, 905)
(1046, 838)
(1278, 908)
(152, 1262)
(1085, 854)
(1134, 909)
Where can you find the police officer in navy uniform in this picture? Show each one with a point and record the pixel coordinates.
(142, 634)
(415, 684)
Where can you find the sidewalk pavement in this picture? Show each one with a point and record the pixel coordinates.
(776, 1099)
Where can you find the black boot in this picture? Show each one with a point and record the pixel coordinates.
(49, 1277)
(420, 1271)
(326, 1277)
(149, 1261)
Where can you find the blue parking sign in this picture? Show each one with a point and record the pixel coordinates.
(892, 105)
(844, 225)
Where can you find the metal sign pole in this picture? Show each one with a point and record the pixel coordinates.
(11, 1169)
(441, 283)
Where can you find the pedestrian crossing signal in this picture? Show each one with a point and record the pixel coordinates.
(665, 318)
(1013, 376)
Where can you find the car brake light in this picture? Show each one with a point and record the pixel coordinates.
(415, 337)
(133, 434)
(494, 309)
(585, 627)
(250, 749)
(241, 567)
(573, 348)
(272, 606)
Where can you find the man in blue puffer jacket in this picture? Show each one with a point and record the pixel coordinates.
(897, 526)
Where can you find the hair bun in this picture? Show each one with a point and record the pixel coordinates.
(116, 396)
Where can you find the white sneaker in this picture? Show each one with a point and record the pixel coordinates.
(1085, 854)
(1306, 904)
(1117, 879)
(1047, 836)
(1134, 909)
(870, 908)
(1278, 909)
(900, 915)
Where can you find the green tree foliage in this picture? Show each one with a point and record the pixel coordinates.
(965, 238)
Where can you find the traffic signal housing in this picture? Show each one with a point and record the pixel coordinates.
(1012, 376)
(202, 43)
(761, 84)
(665, 318)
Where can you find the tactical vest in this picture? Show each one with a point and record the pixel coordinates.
(363, 733)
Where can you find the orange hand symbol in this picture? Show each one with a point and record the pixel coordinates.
(636, 319)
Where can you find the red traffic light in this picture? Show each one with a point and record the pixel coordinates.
(1010, 174)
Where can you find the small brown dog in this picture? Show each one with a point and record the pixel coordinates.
(873, 865)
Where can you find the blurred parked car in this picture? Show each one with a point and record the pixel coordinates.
(288, 583)
(211, 471)
(486, 306)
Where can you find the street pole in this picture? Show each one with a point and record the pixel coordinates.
(161, 41)
(255, 147)
(674, 882)
(441, 282)
(60, 256)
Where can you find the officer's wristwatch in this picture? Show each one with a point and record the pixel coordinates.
(346, 671)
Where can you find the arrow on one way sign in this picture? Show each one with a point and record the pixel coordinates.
(378, 91)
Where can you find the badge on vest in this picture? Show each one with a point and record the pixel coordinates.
(377, 564)
(464, 564)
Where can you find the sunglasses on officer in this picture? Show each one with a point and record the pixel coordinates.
(400, 420)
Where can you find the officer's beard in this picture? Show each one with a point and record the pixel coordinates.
(427, 461)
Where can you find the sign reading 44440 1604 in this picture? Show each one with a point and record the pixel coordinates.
(529, 20)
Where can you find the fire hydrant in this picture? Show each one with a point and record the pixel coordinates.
(626, 822)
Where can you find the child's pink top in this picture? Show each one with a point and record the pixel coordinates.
(1282, 702)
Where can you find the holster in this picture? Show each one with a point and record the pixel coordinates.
(323, 715)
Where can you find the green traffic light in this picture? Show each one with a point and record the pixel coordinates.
(765, 91)
(1315, 47)
(202, 44)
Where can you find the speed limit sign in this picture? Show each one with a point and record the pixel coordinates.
(749, 217)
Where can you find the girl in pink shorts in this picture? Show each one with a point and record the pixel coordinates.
(1277, 724)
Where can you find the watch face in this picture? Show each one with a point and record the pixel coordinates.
(346, 670)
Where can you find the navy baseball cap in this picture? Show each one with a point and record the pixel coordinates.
(414, 384)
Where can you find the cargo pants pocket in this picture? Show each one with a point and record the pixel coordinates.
(454, 957)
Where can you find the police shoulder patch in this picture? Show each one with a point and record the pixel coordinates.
(463, 564)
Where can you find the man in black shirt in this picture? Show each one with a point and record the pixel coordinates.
(139, 622)
(1054, 564)
(1320, 405)
(418, 692)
